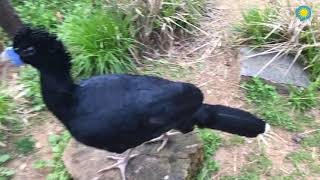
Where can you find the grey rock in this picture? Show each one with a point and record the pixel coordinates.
(179, 160)
(275, 72)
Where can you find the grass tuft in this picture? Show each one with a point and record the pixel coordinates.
(269, 104)
(211, 144)
(99, 41)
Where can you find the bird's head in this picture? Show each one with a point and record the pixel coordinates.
(37, 47)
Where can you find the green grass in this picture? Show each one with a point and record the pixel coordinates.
(303, 99)
(312, 140)
(304, 157)
(211, 144)
(269, 104)
(254, 26)
(43, 12)
(99, 41)
(300, 157)
(25, 145)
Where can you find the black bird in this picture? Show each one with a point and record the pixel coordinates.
(118, 112)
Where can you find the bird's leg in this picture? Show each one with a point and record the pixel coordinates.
(121, 163)
(164, 138)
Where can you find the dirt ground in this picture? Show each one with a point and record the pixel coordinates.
(217, 73)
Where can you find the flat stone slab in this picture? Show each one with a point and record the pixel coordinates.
(179, 160)
(276, 71)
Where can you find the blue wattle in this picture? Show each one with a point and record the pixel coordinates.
(15, 58)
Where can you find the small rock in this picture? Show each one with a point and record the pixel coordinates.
(297, 138)
(38, 145)
(23, 166)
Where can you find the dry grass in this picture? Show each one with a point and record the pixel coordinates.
(276, 29)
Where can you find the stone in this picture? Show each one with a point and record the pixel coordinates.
(275, 72)
(181, 159)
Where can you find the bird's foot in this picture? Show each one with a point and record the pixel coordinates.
(164, 138)
(121, 164)
(267, 136)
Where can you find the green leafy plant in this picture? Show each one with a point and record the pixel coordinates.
(4, 107)
(4, 158)
(30, 80)
(99, 41)
(6, 173)
(25, 145)
(211, 143)
(58, 144)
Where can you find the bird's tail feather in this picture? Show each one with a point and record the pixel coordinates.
(229, 120)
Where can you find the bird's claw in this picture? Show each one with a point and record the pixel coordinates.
(267, 136)
(121, 164)
(164, 138)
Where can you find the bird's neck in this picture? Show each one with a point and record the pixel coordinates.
(57, 90)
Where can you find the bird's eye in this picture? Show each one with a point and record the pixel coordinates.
(28, 51)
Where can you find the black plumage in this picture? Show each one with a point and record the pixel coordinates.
(121, 111)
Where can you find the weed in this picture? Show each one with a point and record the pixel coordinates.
(211, 143)
(243, 176)
(233, 141)
(300, 157)
(58, 144)
(314, 168)
(30, 80)
(254, 26)
(312, 140)
(4, 108)
(5, 173)
(302, 99)
(25, 145)
(305, 120)
(4, 158)
(99, 41)
(7, 121)
(260, 164)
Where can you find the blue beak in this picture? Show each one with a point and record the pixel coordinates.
(10, 54)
